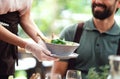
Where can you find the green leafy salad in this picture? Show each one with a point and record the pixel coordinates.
(58, 41)
(61, 41)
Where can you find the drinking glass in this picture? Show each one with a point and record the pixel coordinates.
(73, 74)
(53, 76)
(114, 61)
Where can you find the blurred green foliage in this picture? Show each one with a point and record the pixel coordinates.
(47, 14)
(102, 74)
(75, 6)
(53, 15)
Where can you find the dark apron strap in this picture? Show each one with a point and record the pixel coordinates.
(77, 37)
(78, 32)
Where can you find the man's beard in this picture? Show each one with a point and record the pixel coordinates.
(107, 12)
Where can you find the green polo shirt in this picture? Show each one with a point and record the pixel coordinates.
(95, 47)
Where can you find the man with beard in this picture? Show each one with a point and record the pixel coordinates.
(99, 39)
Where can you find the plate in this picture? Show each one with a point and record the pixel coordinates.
(73, 55)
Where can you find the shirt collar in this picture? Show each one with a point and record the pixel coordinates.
(115, 30)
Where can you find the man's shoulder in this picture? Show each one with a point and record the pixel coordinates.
(71, 27)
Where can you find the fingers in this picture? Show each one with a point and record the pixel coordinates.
(35, 76)
(41, 43)
(40, 52)
(46, 51)
(47, 55)
(44, 57)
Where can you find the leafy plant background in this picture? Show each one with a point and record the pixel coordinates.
(103, 74)
(53, 15)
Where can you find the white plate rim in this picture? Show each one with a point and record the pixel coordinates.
(72, 55)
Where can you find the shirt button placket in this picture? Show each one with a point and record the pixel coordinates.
(97, 45)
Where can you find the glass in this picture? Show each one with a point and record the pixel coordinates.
(35, 76)
(10, 77)
(114, 62)
(73, 74)
(53, 76)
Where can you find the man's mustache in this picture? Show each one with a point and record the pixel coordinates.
(98, 5)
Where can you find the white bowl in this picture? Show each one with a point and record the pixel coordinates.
(61, 49)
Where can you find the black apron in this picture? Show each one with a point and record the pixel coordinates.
(8, 52)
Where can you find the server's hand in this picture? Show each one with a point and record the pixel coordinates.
(39, 51)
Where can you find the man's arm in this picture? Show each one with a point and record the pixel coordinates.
(59, 67)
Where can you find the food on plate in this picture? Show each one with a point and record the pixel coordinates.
(60, 41)
(61, 47)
